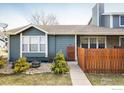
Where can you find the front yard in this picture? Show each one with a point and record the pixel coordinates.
(36, 79)
(105, 79)
(24, 73)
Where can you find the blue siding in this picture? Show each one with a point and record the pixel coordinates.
(14, 47)
(101, 11)
(15, 44)
(33, 31)
(106, 21)
(55, 44)
(51, 46)
(78, 41)
(59, 43)
(115, 21)
(34, 54)
(94, 15)
(62, 42)
(97, 11)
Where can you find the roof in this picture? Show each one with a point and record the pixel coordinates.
(74, 29)
(114, 13)
(89, 23)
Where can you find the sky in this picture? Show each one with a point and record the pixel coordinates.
(19, 14)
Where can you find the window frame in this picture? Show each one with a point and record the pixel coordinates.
(39, 42)
(120, 25)
(93, 42)
(120, 37)
(84, 43)
(97, 43)
(102, 42)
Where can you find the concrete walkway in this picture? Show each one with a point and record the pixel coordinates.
(77, 75)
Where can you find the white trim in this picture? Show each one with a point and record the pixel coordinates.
(33, 52)
(20, 44)
(97, 44)
(80, 45)
(111, 21)
(31, 25)
(120, 40)
(120, 21)
(46, 45)
(75, 47)
(105, 41)
(8, 48)
(46, 48)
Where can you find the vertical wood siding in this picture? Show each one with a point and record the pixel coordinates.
(101, 60)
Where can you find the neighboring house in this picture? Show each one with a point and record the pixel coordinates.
(105, 30)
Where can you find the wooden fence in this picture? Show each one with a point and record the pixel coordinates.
(101, 60)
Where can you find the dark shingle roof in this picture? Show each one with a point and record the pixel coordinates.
(75, 29)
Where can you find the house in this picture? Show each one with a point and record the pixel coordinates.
(105, 30)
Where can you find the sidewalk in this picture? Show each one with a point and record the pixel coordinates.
(77, 75)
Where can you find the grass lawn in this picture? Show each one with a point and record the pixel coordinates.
(106, 79)
(36, 79)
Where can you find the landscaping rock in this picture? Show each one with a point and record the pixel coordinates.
(44, 67)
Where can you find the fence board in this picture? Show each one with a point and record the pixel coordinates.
(101, 60)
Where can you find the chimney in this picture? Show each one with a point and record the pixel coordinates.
(97, 12)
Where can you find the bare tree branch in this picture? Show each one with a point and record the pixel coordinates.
(36, 19)
(40, 18)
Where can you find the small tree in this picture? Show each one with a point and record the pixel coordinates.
(60, 66)
(21, 65)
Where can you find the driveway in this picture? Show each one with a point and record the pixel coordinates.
(77, 75)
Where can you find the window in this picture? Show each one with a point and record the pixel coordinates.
(121, 41)
(93, 43)
(33, 44)
(84, 43)
(101, 42)
(121, 21)
(25, 43)
(42, 44)
(42, 47)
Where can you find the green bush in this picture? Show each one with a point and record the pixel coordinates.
(21, 65)
(2, 62)
(60, 66)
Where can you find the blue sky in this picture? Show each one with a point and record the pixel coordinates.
(67, 14)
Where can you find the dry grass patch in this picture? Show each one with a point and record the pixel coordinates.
(106, 79)
(36, 79)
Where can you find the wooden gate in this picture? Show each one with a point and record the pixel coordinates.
(70, 53)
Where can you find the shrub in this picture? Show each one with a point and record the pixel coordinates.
(21, 65)
(60, 66)
(2, 62)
